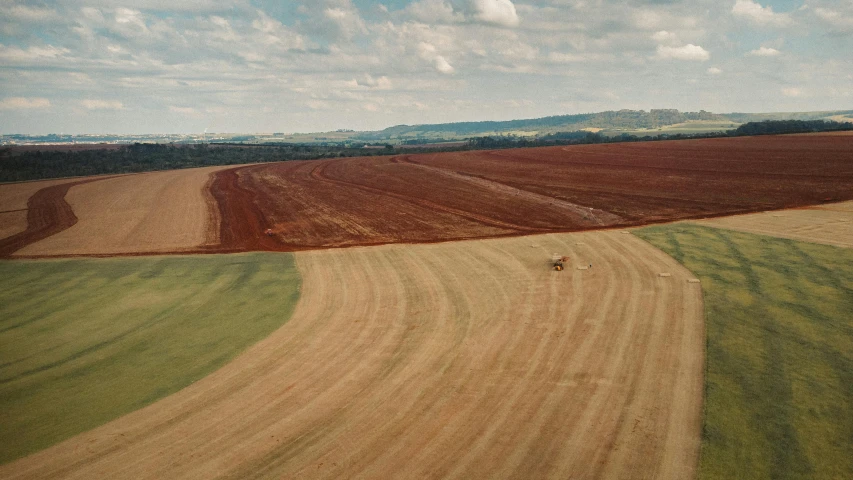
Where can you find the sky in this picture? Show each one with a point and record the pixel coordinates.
(175, 66)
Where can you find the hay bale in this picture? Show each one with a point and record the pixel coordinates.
(693, 280)
(664, 274)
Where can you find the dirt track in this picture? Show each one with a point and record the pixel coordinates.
(149, 212)
(13, 204)
(830, 224)
(455, 360)
(446, 196)
(47, 214)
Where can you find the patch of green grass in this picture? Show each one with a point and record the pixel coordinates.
(84, 341)
(779, 371)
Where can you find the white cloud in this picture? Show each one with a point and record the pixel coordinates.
(347, 19)
(792, 92)
(101, 104)
(496, 12)
(188, 111)
(687, 52)
(381, 83)
(839, 20)
(765, 52)
(714, 71)
(442, 65)
(428, 52)
(23, 103)
(755, 13)
(31, 54)
(665, 37)
(29, 14)
(433, 11)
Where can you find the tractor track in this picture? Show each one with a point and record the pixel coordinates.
(47, 214)
(459, 360)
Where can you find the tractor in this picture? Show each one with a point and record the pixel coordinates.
(559, 262)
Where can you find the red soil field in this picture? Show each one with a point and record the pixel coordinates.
(459, 195)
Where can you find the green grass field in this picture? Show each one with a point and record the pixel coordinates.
(779, 372)
(83, 341)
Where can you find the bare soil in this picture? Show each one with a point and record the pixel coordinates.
(168, 211)
(454, 360)
(462, 195)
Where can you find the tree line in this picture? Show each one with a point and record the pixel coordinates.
(22, 165)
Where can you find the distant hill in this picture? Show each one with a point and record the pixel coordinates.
(609, 122)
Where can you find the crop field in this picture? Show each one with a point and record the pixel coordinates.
(831, 224)
(459, 195)
(779, 376)
(84, 341)
(456, 360)
(17, 200)
(428, 197)
(150, 212)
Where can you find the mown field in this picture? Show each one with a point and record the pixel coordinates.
(779, 372)
(84, 341)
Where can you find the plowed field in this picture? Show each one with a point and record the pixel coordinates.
(454, 360)
(444, 196)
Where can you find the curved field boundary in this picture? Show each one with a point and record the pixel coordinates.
(486, 194)
(47, 214)
(830, 224)
(456, 360)
(85, 341)
(168, 211)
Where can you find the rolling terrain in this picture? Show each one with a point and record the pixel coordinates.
(452, 196)
(455, 360)
(299, 205)
(412, 354)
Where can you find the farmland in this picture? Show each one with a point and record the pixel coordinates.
(778, 398)
(431, 197)
(413, 353)
(84, 341)
(829, 224)
(150, 212)
(447, 196)
(459, 360)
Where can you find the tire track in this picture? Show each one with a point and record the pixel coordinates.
(47, 214)
(457, 360)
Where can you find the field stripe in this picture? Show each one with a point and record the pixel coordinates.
(47, 214)
(456, 360)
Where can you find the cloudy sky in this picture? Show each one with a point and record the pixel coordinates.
(151, 66)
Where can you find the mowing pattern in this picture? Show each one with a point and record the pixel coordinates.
(85, 341)
(831, 224)
(779, 391)
(455, 360)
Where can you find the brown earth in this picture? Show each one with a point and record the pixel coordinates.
(830, 224)
(460, 195)
(47, 213)
(454, 360)
(169, 211)
(13, 204)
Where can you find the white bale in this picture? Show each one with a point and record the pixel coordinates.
(665, 274)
